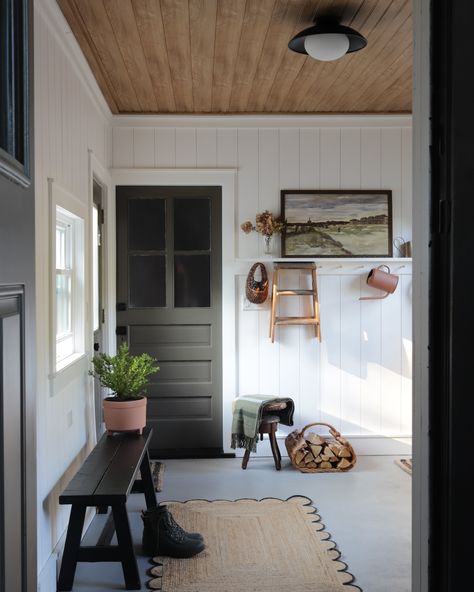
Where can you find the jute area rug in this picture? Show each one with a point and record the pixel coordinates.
(270, 545)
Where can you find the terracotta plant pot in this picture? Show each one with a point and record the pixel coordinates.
(124, 416)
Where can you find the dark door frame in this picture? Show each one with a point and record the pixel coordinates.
(451, 403)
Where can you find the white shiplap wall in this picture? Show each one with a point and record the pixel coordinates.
(359, 377)
(70, 120)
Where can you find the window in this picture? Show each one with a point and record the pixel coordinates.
(64, 283)
(67, 281)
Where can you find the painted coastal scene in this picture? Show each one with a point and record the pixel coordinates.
(337, 224)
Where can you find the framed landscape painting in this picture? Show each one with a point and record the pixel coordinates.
(336, 223)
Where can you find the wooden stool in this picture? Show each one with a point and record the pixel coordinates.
(269, 425)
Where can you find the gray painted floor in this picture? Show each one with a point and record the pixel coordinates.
(367, 511)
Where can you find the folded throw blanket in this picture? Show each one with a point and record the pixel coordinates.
(247, 416)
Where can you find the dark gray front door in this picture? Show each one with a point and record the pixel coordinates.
(17, 304)
(169, 304)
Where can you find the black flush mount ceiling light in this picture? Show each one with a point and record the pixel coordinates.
(327, 40)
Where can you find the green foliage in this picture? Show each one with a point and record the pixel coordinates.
(124, 374)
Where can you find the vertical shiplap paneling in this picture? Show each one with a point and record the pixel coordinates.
(123, 148)
(350, 354)
(330, 399)
(391, 172)
(165, 147)
(227, 148)
(248, 366)
(268, 199)
(143, 147)
(350, 158)
(406, 185)
(391, 363)
(370, 361)
(247, 202)
(206, 145)
(268, 179)
(289, 336)
(309, 158)
(186, 147)
(330, 158)
(54, 109)
(370, 166)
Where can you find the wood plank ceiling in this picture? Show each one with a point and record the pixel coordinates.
(231, 56)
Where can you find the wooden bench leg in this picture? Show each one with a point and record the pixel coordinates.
(71, 547)
(125, 545)
(274, 445)
(245, 460)
(147, 480)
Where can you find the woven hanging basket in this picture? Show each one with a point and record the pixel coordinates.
(257, 292)
(313, 453)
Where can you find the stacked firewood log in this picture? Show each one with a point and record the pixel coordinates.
(313, 453)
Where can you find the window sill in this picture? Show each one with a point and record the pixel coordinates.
(67, 371)
(63, 365)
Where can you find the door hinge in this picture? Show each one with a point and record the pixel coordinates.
(102, 316)
(101, 216)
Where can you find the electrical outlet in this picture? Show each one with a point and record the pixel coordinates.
(69, 419)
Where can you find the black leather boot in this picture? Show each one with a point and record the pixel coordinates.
(161, 536)
(155, 513)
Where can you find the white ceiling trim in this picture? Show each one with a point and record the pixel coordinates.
(262, 120)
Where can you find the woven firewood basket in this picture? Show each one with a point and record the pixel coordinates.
(257, 291)
(310, 452)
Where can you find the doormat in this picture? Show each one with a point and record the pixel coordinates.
(405, 464)
(253, 546)
(157, 469)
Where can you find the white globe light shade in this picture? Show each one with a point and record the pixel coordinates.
(326, 46)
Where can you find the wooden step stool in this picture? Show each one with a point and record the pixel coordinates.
(314, 319)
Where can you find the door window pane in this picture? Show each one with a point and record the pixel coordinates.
(146, 224)
(147, 281)
(192, 224)
(192, 281)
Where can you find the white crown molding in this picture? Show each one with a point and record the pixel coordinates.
(59, 27)
(262, 120)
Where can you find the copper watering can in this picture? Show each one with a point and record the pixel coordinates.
(382, 280)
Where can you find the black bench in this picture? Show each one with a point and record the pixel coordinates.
(105, 479)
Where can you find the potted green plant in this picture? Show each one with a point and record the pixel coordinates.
(127, 377)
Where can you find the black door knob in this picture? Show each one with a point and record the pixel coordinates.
(96, 347)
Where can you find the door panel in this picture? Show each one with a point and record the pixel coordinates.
(18, 502)
(169, 293)
(11, 353)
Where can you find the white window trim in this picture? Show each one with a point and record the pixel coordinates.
(64, 202)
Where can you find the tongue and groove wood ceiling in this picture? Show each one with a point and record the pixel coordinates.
(231, 56)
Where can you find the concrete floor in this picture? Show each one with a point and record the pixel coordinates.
(367, 511)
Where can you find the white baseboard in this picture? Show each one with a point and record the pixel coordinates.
(363, 445)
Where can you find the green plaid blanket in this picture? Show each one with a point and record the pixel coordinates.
(248, 415)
